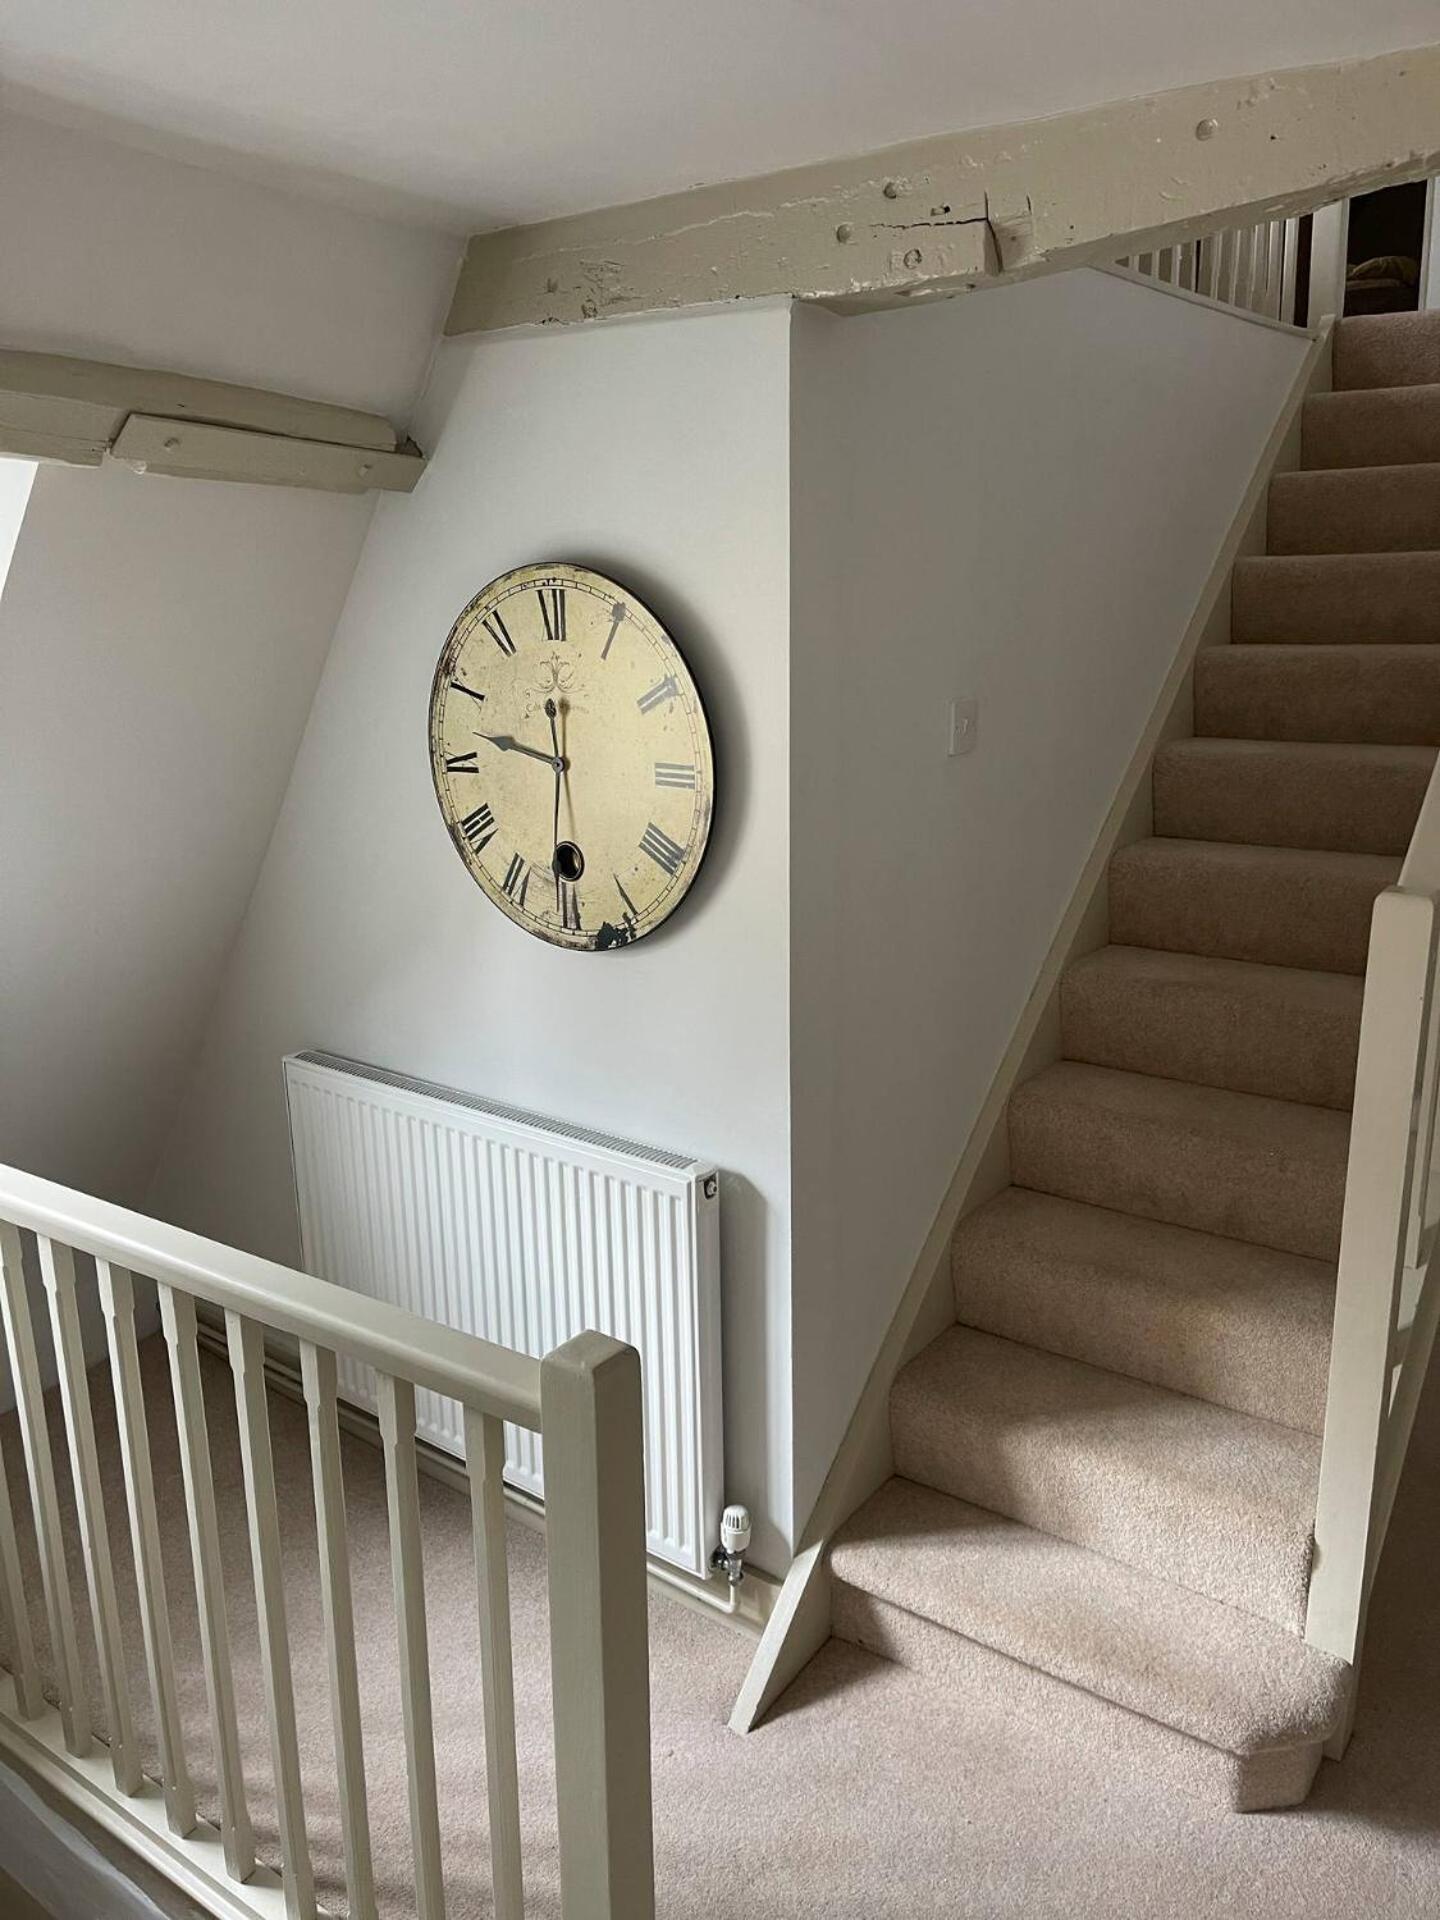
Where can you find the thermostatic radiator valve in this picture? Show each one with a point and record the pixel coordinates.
(729, 1557)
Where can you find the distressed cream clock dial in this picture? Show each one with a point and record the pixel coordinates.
(571, 757)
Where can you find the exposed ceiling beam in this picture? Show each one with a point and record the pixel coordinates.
(56, 408)
(939, 215)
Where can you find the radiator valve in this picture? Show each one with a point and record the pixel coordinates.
(729, 1557)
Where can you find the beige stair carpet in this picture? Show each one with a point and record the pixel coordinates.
(1337, 599)
(1106, 1470)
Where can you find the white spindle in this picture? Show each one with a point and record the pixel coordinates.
(247, 1361)
(29, 1695)
(1329, 238)
(1187, 265)
(177, 1317)
(485, 1458)
(49, 1531)
(57, 1266)
(117, 1300)
(595, 1542)
(402, 1490)
(318, 1371)
(1289, 272)
(1275, 269)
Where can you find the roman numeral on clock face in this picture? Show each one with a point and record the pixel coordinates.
(552, 612)
(674, 773)
(667, 689)
(478, 827)
(461, 762)
(517, 880)
(665, 852)
(460, 687)
(569, 906)
(494, 625)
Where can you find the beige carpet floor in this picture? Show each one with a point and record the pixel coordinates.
(868, 1797)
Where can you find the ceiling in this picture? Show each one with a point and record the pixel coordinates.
(471, 114)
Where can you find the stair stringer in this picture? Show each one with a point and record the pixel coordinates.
(800, 1622)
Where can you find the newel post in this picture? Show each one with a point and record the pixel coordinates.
(593, 1434)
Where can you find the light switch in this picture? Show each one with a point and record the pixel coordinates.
(964, 724)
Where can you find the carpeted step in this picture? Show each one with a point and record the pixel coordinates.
(1204, 1669)
(1336, 598)
(1387, 350)
(1238, 1164)
(1379, 427)
(984, 1688)
(1209, 1499)
(1238, 1325)
(1287, 1032)
(1281, 906)
(1285, 793)
(1388, 696)
(1357, 510)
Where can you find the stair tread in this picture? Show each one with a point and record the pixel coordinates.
(1223, 1677)
(1372, 426)
(1326, 694)
(1242, 1164)
(1287, 906)
(1379, 509)
(1287, 1032)
(1212, 1500)
(1386, 350)
(1238, 1325)
(1390, 598)
(1339, 796)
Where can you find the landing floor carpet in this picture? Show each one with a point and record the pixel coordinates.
(867, 1797)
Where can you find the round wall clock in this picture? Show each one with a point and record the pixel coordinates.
(571, 757)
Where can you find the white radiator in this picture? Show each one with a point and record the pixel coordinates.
(524, 1231)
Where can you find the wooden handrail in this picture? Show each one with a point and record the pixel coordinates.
(1387, 1297)
(484, 1377)
(585, 1398)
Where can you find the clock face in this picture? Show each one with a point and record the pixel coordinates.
(571, 757)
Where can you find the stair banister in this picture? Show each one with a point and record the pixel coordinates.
(584, 1399)
(1387, 1290)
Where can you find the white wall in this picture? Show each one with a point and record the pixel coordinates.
(657, 451)
(115, 254)
(1016, 497)
(160, 640)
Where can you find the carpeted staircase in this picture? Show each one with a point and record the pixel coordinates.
(1106, 1469)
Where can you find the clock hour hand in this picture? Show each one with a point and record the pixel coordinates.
(508, 744)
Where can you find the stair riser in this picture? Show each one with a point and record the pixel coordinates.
(974, 1678)
(1237, 1346)
(1289, 1197)
(1363, 695)
(1282, 919)
(1342, 805)
(1213, 1038)
(1365, 510)
(1337, 600)
(1394, 350)
(1387, 428)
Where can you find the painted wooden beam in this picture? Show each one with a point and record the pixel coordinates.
(90, 399)
(943, 214)
(187, 451)
(77, 411)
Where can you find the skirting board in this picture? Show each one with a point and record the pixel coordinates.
(747, 1608)
(800, 1624)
